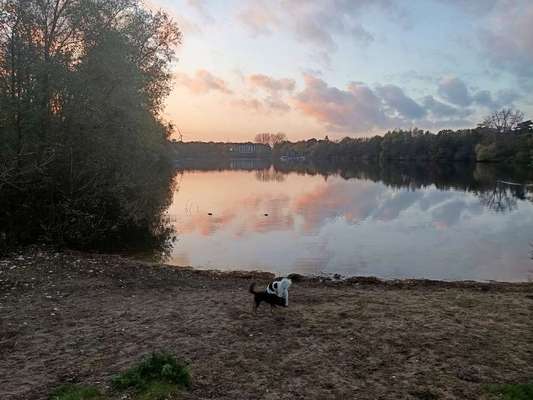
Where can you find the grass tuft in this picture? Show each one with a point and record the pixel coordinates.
(158, 391)
(155, 372)
(512, 391)
(76, 392)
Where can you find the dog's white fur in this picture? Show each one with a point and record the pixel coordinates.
(280, 288)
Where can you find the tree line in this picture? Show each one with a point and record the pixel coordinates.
(83, 150)
(501, 137)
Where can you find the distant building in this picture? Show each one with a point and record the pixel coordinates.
(248, 149)
(243, 148)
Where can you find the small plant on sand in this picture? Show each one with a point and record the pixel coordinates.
(156, 377)
(76, 392)
(511, 391)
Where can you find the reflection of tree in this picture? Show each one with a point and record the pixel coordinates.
(269, 175)
(499, 198)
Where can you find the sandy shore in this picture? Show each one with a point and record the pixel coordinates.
(69, 317)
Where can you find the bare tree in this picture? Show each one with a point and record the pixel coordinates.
(277, 138)
(263, 138)
(270, 138)
(504, 121)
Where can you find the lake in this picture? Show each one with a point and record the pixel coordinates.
(450, 223)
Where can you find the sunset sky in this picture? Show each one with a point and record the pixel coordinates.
(311, 68)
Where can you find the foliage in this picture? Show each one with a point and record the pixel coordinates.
(83, 146)
(160, 368)
(76, 392)
(415, 145)
(158, 391)
(512, 391)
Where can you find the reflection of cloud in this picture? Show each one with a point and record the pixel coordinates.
(244, 217)
(392, 207)
(333, 199)
(206, 224)
(448, 214)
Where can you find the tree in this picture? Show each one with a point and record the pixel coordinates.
(262, 138)
(271, 139)
(525, 127)
(277, 138)
(82, 84)
(503, 121)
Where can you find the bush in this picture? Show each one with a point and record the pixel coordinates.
(159, 368)
(76, 392)
(512, 391)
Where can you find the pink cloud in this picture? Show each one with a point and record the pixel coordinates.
(202, 82)
(270, 84)
(357, 109)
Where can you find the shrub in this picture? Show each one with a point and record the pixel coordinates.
(76, 392)
(158, 368)
(512, 391)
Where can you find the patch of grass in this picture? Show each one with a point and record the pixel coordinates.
(76, 392)
(155, 373)
(158, 391)
(512, 391)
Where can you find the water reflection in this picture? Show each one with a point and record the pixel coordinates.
(394, 221)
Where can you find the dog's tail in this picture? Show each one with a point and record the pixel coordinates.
(252, 288)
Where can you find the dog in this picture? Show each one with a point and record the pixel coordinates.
(276, 294)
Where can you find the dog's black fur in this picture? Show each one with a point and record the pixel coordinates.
(271, 299)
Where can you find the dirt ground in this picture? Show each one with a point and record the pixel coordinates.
(69, 317)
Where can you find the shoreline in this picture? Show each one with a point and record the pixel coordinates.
(78, 317)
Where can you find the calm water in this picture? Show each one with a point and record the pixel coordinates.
(455, 224)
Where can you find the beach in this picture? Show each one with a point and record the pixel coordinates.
(70, 317)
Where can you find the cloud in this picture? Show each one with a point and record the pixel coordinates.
(507, 38)
(315, 22)
(269, 104)
(248, 104)
(356, 109)
(503, 98)
(276, 104)
(442, 110)
(396, 99)
(270, 84)
(259, 18)
(276, 90)
(454, 90)
(362, 109)
(202, 82)
(201, 9)
(475, 7)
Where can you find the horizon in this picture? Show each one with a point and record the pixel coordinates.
(379, 66)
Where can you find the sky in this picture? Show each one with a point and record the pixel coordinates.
(311, 68)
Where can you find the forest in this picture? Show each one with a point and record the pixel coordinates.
(488, 142)
(84, 154)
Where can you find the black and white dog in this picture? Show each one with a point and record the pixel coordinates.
(276, 293)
